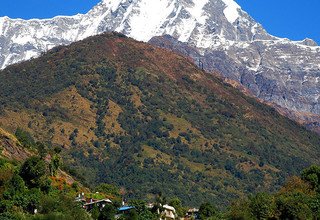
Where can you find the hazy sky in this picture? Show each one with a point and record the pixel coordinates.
(294, 19)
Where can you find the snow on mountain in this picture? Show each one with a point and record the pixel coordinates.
(231, 10)
(274, 69)
(204, 23)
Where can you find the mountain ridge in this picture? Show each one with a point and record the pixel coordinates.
(98, 20)
(274, 69)
(225, 67)
(130, 113)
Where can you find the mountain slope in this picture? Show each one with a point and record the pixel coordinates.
(149, 120)
(11, 148)
(287, 102)
(273, 69)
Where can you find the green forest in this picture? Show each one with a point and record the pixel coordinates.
(144, 119)
(29, 190)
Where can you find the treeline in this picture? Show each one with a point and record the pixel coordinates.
(30, 191)
(33, 189)
(297, 199)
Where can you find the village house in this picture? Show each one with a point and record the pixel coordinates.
(124, 210)
(89, 203)
(192, 214)
(168, 213)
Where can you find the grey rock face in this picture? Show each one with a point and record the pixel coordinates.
(281, 73)
(309, 42)
(218, 32)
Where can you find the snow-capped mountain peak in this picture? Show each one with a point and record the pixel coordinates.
(204, 23)
(269, 66)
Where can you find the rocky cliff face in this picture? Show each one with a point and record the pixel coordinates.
(11, 148)
(284, 88)
(225, 37)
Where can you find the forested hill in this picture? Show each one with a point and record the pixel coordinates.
(149, 120)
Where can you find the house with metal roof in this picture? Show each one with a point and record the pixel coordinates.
(89, 205)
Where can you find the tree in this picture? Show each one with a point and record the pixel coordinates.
(95, 212)
(140, 205)
(160, 201)
(294, 206)
(239, 210)
(42, 149)
(262, 206)
(55, 164)
(108, 189)
(315, 206)
(5, 175)
(207, 210)
(312, 175)
(57, 150)
(177, 204)
(148, 215)
(25, 138)
(31, 200)
(296, 184)
(61, 206)
(107, 213)
(143, 212)
(131, 215)
(33, 171)
(17, 185)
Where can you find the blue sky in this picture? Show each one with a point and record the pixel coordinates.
(294, 19)
(44, 8)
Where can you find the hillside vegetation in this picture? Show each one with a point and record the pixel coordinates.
(150, 121)
(31, 181)
(36, 188)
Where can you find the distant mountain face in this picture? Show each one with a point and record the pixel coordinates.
(203, 23)
(148, 120)
(291, 98)
(274, 69)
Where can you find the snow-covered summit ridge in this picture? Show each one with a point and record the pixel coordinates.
(231, 10)
(226, 37)
(206, 24)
